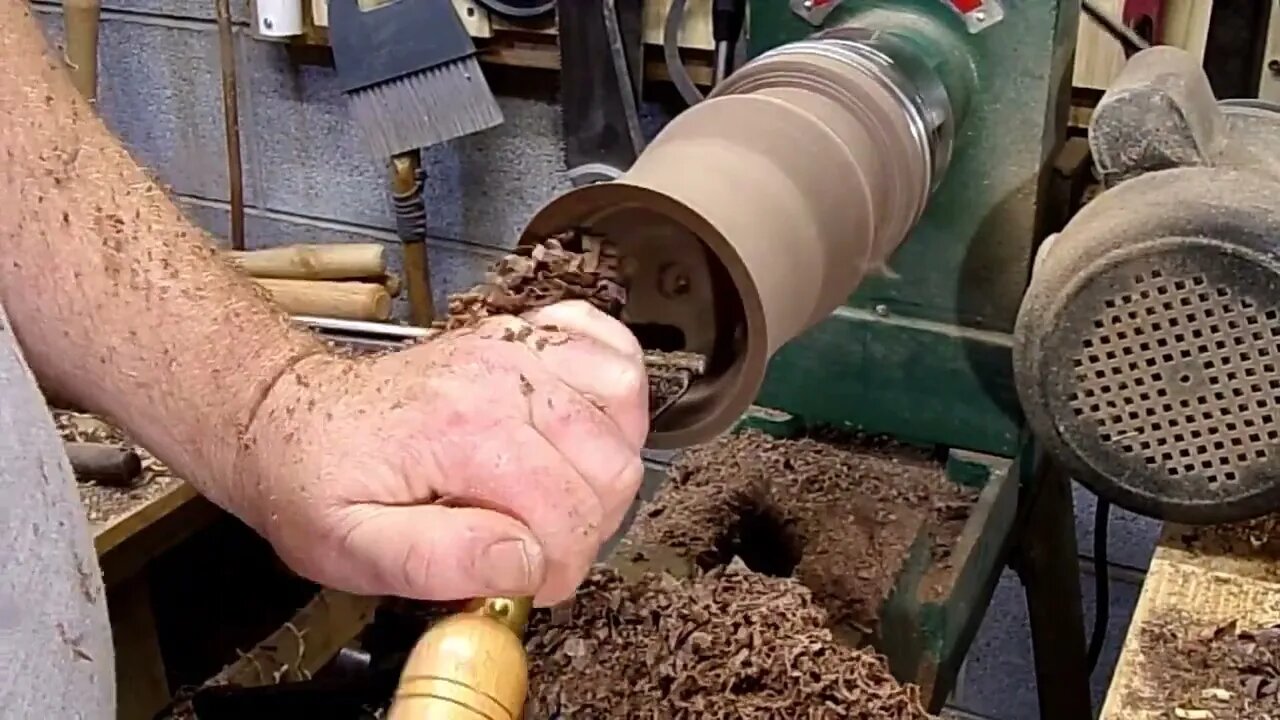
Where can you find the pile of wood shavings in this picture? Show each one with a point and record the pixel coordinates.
(569, 266)
(1259, 537)
(105, 504)
(1217, 673)
(847, 509)
(729, 644)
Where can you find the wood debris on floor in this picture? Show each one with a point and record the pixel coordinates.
(731, 643)
(788, 543)
(1204, 643)
(842, 513)
(1221, 672)
(105, 504)
(783, 546)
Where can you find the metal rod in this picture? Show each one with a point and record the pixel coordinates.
(1122, 33)
(231, 118)
(365, 327)
(724, 56)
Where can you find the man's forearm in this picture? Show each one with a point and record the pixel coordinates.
(118, 301)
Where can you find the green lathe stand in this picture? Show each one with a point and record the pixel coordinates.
(923, 351)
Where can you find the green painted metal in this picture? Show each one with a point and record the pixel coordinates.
(921, 381)
(931, 616)
(968, 468)
(936, 367)
(930, 619)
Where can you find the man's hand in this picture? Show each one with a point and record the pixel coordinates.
(486, 462)
(469, 466)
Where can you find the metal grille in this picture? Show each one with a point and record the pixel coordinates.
(1180, 373)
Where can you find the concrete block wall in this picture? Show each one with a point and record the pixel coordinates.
(307, 176)
(308, 179)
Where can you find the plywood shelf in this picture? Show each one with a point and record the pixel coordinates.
(1204, 582)
(532, 44)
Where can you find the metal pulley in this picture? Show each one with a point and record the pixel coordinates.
(519, 8)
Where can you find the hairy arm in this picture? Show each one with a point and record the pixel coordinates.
(118, 301)
(121, 307)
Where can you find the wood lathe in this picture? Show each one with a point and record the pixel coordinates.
(847, 228)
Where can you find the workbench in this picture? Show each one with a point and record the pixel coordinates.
(1194, 573)
(143, 525)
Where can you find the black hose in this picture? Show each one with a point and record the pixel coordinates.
(1101, 582)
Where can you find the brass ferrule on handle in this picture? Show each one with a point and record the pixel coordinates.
(469, 666)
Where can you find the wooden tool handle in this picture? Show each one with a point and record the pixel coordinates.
(467, 666)
(109, 465)
(393, 284)
(325, 298)
(314, 262)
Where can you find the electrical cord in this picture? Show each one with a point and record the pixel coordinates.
(1101, 582)
(671, 54)
(1122, 33)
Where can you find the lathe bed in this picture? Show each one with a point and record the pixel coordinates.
(926, 623)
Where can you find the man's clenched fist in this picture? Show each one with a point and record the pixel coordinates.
(492, 461)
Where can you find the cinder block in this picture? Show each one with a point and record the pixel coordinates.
(186, 9)
(160, 91)
(480, 189)
(312, 160)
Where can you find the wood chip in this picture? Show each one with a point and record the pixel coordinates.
(568, 266)
(1221, 671)
(848, 509)
(729, 644)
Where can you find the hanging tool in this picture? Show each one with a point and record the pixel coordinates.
(519, 8)
(80, 27)
(600, 99)
(727, 20)
(231, 120)
(411, 226)
(410, 72)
